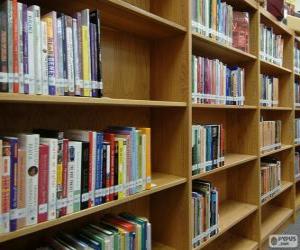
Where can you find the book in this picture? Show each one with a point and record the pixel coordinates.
(44, 58)
(21, 188)
(30, 42)
(30, 143)
(15, 47)
(20, 47)
(3, 51)
(269, 91)
(71, 177)
(240, 30)
(43, 183)
(270, 134)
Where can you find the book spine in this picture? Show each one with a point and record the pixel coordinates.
(21, 188)
(25, 50)
(77, 176)
(116, 170)
(104, 169)
(20, 48)
(98, 172)
(10, 45)
(92, 167)
(3, 49)
(70, 56)
(31, 62)
(13, 182)
(71, 173)
(15, 39)
(85, 176)
(99, 57)
(50, 20)
(60, 63)
(65, 86)
(5, 180)
(43, 183)
(108, 173)
(76, 58)
(92, 30)
(44, 58)
(63, 210)
(79, 40)
(86, 67)
(120, 145)
(59, 179)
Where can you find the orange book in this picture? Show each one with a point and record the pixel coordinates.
(21, 185)
(15, 47)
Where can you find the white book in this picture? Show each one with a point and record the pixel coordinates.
(31, 74)
(60, 61)
(70, 56)
(44, 58)
(53, 150)
(20, 48)
(37, 47)
(70, 184)
(149, 233)
(30, 143)
(77, 174)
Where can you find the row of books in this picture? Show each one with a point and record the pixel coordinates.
(297, 58)
(53, 54)
(297, 163)
(271, 45)
(125, 231)
(270, 177)
(218, 20)
(270, 135)
(207, 147)
(297, 92)
(205, 206)
(214, 82)
(268, 91)
(297, 130)
(49, 174)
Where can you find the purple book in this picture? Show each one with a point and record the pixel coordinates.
(93, 59)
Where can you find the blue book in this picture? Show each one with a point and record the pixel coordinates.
(13, 142)
(213, 209)
(208, 148)
(99, 169)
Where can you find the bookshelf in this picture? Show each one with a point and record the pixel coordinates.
(147, 48)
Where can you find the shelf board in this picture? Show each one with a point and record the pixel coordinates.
(235, 242)
(124, 16)
(159, 246)
(297, 75)
(297, 201)
(274, 219)
(231, 160)
(222, 106)
(276, 108)
(161, 182)
(270, 20)
(215, 49)
(284, 186)
(283, 147)
(230, 213)
(273, 69)
(75, 100)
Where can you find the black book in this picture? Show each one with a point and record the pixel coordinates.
(84, 197)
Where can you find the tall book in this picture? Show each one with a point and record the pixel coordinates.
(15, 37)
(30, 40)
(21, 188)
(5, 186)
(9, 44)
(3, 51)
(241, 30)
(70, 55)
(44, 58)
(20, 48)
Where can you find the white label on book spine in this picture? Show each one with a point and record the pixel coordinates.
(21, 213)
(43, 208)
(3, 77)
(85, 197)
(76, 198)
(13, 214)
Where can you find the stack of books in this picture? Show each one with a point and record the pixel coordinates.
(205, 205)
(213, 82)
(297, 130)
(268, 91)
(271, 45)
(297, 163)
(49, 174)
(218, 20)
(270, 178)
(297, 58)
(270, 135)
(125, 231)
(207, 147)
(53, 54)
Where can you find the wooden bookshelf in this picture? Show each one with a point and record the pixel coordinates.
(147, 49)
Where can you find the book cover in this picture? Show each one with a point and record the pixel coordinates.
(43, 178)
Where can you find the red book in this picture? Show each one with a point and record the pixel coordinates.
(240, 30)
(43, 183)
(111, 139)
(63, 210)
(124, 224)
(15, 46)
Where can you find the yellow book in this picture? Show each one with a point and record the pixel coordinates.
(147, 132)
(121, 157)
(86, 70)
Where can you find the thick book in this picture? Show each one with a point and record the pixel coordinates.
(241, 30)
(52, 175)
(30, 143)
(43, 183)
